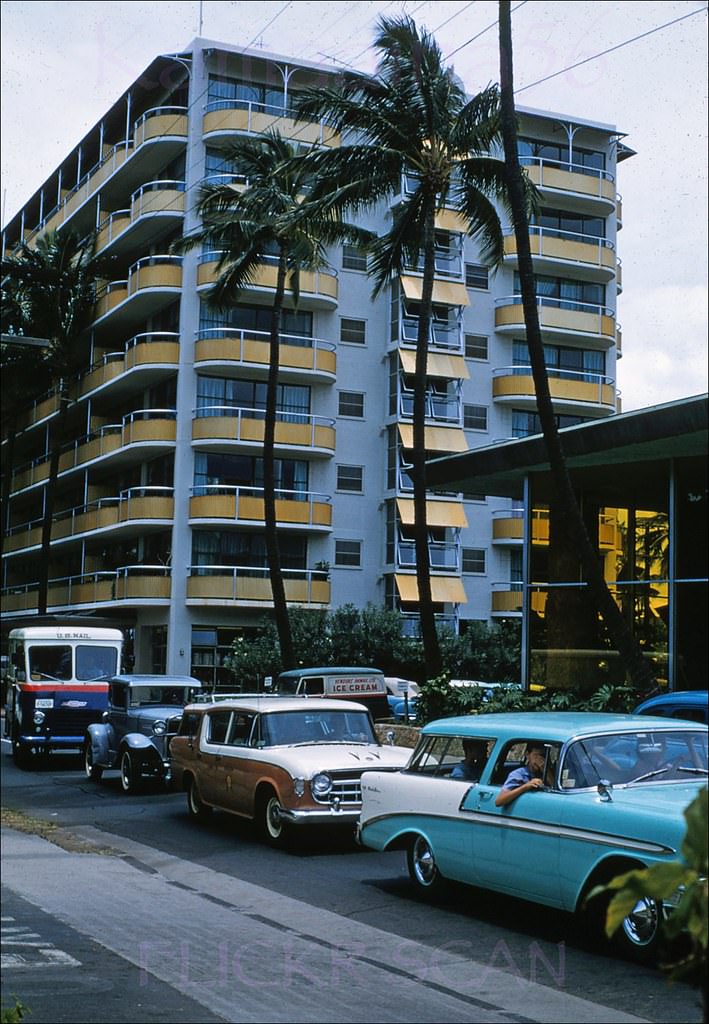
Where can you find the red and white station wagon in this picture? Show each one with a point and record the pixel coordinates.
(280, 761)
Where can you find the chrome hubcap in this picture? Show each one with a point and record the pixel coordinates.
(641, 924)
(424, 863)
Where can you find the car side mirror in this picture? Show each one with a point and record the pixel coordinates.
(390, 736)
(605, 788)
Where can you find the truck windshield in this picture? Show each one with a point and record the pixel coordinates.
(95, 662)
(50, 662)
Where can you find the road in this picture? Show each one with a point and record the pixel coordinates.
(171, 920)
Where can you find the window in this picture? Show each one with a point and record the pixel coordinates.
(476, 276)
(475, 417)
(476, 346)
(565, 293)
(475, 560)
(218, 724)
(526, 423)
(353, 258)
(353, 332)
(348, 553)
(351, 403)
(350, 478)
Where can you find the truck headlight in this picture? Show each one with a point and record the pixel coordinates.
(321, 784)
(159, 727)
(38, 717)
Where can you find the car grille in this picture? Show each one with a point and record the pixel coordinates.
(71, 722)
(345, 788)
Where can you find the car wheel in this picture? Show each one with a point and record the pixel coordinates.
(638, 937)
(130, 773)
(93, 771)
(423, 869)
(271, 823)
(195, 806)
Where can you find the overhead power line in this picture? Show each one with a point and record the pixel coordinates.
(611, 49)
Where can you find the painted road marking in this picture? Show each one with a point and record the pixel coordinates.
(36, 952)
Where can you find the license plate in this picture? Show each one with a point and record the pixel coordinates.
(44, 702)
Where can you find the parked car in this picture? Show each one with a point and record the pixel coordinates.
(143, 715)
(689, 704)
(613, 798)
(280, 761)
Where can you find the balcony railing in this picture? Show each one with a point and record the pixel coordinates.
(565, 176)
(246, 503)
(228, 115)
(129, 583)
(252, 348)
(565, 385)
(252, 585)
(243, 424)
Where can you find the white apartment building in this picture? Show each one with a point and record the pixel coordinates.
(160, 502)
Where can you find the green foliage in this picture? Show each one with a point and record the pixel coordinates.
(662, 882)
(440, 700)
(14, 1014)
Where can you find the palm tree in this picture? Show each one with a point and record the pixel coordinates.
(621, 635)
(271, 215)
(413, 118)
(51, 290)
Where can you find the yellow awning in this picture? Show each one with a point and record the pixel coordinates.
(438, 513)
(449, 220)
(444, 589)
(438, 439)
(450, 293)
(438, 364)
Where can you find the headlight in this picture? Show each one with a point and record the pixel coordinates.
(321, 784)
(38, 717)
(159, 727)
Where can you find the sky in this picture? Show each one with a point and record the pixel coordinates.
(63, 63)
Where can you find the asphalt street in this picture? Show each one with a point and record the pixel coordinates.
(240, 952)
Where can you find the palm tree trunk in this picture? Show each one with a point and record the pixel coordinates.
(9, 463)
(280, 605)
(429, 636)
(621, 636)
(49, 503)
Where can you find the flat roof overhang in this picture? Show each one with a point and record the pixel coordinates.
(623, 460)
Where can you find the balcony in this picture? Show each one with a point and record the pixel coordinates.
(593, 190)
(128, 586)
(555, 250)
(156, 202)
(117, 442)
(223, 426)
(300, 358)
(159, 135)
(572, 391)
(508, 528)
(143, 507)
(145, 359)
(220, 504)
(318, 289)
(153, 282)
(559, 318)
(437, 439)
(251, 587)
(224, 117)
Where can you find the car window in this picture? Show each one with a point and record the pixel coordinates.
(641, 756)
(314, 687)
(95, 662)
(189, 724)
(444, 756)
(50, 662)
(217, 725)
(142, 696)
(514, 755)
(240, 730)
(118, 696)
(313, 726)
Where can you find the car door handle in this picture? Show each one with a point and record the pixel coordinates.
(485, 795)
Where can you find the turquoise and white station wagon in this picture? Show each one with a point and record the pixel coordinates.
(542, 806)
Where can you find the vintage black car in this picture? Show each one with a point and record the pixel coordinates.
(143, 715)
